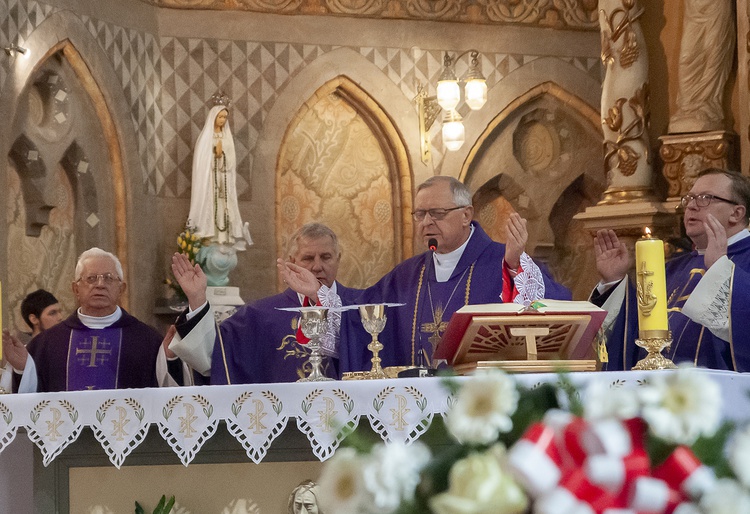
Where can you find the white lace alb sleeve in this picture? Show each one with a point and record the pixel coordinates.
(708, 304)
(529, 283)
(329, 342)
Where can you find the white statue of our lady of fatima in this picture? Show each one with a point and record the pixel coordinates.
(214, 211)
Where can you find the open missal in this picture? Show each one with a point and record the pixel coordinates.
(550, 335)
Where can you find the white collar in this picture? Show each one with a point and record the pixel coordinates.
(445, 263)
(97, 322)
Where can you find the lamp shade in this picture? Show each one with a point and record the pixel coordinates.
(448, 94)
(476, 93)
(453, 131)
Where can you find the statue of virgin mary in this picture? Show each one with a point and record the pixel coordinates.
(213, 200)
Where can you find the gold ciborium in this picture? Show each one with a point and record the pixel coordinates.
(654, 341)
(314, 323)
(373, 319)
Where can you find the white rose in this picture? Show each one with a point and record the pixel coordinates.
(478, 484)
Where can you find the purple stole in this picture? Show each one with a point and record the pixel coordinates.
(94, 359)
(437, 303)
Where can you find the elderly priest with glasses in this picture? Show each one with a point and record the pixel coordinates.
(462, 266)
(708, 289)
(100, 346)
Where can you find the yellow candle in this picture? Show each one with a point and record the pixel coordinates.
(651, 285)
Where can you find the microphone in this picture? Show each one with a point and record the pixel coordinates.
(432, 244)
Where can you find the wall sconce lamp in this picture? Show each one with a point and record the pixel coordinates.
(14, 49)
(475, 85)
(448, 96)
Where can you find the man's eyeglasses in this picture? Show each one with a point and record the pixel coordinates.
(435, 214)
(703, 200)
(107, 278)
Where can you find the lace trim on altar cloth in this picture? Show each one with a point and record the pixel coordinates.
(717, 313)
(529, 283)
(255, 415)
(329, 341)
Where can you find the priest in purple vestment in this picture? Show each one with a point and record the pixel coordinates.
(465, 267)
(708, 289)
(100, 346)
(260, 343)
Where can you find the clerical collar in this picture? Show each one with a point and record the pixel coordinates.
(445, 263)
(96, 322)
(302, 297)
(739, 236)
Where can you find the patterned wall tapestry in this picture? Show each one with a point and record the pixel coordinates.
(333, 170)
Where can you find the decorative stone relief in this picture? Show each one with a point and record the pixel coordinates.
(570, 14)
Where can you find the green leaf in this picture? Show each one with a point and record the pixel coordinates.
(532, 404)
(138, 508)
(710, 450)
(169, 505)
(160, 507)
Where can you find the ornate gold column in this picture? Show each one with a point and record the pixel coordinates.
(629, 203)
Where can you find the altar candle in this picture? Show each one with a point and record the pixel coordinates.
(651, 287)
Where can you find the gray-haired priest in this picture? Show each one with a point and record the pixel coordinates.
(100, 346)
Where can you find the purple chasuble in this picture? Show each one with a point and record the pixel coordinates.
(429, 304)
(68, 349)
(94, 358)
(691, 342)
(258, 343)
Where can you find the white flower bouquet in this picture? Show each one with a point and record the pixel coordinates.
(659, 448)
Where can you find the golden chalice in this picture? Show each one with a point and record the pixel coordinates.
(373, 319)
(314, 323)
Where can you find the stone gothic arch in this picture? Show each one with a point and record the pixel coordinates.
(69, 153)
(541, 156)
(342, 162)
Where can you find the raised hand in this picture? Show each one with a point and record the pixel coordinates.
(612, 259)
(191, 278)
(716, 246)
(299, 279)
(516, 237)
(171, 331)
(14, 351)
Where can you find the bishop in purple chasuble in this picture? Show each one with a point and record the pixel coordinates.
(415, 328)
(691, 341)
(72, 357)
(258, 343)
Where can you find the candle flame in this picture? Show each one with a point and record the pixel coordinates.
(646, 232)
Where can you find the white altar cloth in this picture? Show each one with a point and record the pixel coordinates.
(397, 409)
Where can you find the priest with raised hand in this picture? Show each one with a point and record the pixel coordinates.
(261, 343)
(462, 266)
(708, 289)
(100, 346)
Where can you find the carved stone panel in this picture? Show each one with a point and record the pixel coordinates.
(686, 155)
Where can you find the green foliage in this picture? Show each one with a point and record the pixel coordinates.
(164, 506)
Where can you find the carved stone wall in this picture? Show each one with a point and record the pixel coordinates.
(575, 14)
